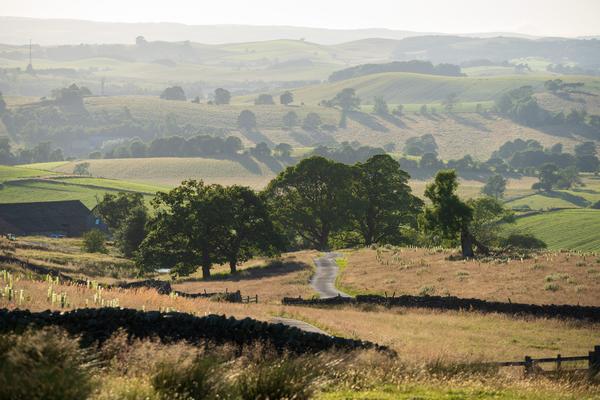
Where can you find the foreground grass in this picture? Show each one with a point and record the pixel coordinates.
(58, 368)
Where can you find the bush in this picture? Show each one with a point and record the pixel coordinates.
(200, 379)
(93, 242)
(523, 241)
(596, 205)
(285, 378)
(45, 365)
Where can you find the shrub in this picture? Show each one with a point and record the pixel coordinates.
(553, 287)
(427, 291)
(523, 241)
(45, 365)
(93, 242)
(596, 205)
(286, 378)
(127, 389)
(200, 379)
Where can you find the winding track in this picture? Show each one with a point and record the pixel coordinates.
(323, 281)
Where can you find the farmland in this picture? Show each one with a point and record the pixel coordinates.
(565, 229)
(416, 271)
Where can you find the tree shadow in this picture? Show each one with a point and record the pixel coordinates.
(274, 268)
(394, 120)
(367, 120)
(248, 162)
(571, 198)
(302, 138)
(468, 122)
(271, 163)
(257, 137)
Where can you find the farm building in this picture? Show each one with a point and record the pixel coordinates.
(68, 218)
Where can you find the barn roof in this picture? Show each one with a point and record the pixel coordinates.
(70, 217)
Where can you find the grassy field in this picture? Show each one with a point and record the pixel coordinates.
(8, 173)
(171, 171)
(566, 229)
(399, 87)
(425, 356)
(552, 278)
(87, 190)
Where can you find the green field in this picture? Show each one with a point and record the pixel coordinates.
(8, 173)
(400, 87)
(566, 229)
(168, 172)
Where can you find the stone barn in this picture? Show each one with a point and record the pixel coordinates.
(68, 218)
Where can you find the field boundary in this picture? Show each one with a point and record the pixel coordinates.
(588, 313)
(96, 325)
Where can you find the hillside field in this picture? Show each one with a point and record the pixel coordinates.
(546, 278)
(576, 229)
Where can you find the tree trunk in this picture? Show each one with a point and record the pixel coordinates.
(205, 271)
(466, 244)
(233, 266)
(206, 264)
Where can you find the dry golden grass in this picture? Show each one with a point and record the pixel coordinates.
(548, 278)
(271, 280)
(418, 335)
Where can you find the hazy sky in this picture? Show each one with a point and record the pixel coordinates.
(540, 17)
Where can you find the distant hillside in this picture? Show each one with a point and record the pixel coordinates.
(400, 87)
(65, 31)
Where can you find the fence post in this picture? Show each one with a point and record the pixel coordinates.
(528, 366)
(594, 362)
(558, 362)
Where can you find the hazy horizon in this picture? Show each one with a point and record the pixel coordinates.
(536, 17)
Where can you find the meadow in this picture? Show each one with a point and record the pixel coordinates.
(575, 229)
(545, 278)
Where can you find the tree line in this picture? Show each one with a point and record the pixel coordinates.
(317, 203)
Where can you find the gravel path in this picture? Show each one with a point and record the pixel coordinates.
(298, 324)
(323, 281)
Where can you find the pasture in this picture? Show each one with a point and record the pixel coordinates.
(546, 278)
(575, 229)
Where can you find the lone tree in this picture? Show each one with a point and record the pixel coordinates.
(126, 215)
(380, 107)
(114, 209)
(186, 231)
(290, 120)
(247, 120)
(310, 200)
(548, 177)
(448, 215)
(222, 96)
(311, 122)
(347, 101)
(495, 186)
(382, 200)
(286, 98)
(450, 102)
(249, 227)
(264, 99)
(82, 169)
(173, 93)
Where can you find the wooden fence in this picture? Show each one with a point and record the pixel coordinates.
(250, 299)
(531, 367)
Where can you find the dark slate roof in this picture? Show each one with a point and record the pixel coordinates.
(70, 217)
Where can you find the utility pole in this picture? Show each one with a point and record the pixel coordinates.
(30, 65)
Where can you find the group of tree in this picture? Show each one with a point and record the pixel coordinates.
(177, 146)
(203, 225)
(286, 98)
(71, 96)
(522, 106)
(414, 66)
(42, 152)
(317, 203)
(347, 101)
(173, 93)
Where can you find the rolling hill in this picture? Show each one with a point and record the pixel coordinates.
(402, 87)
